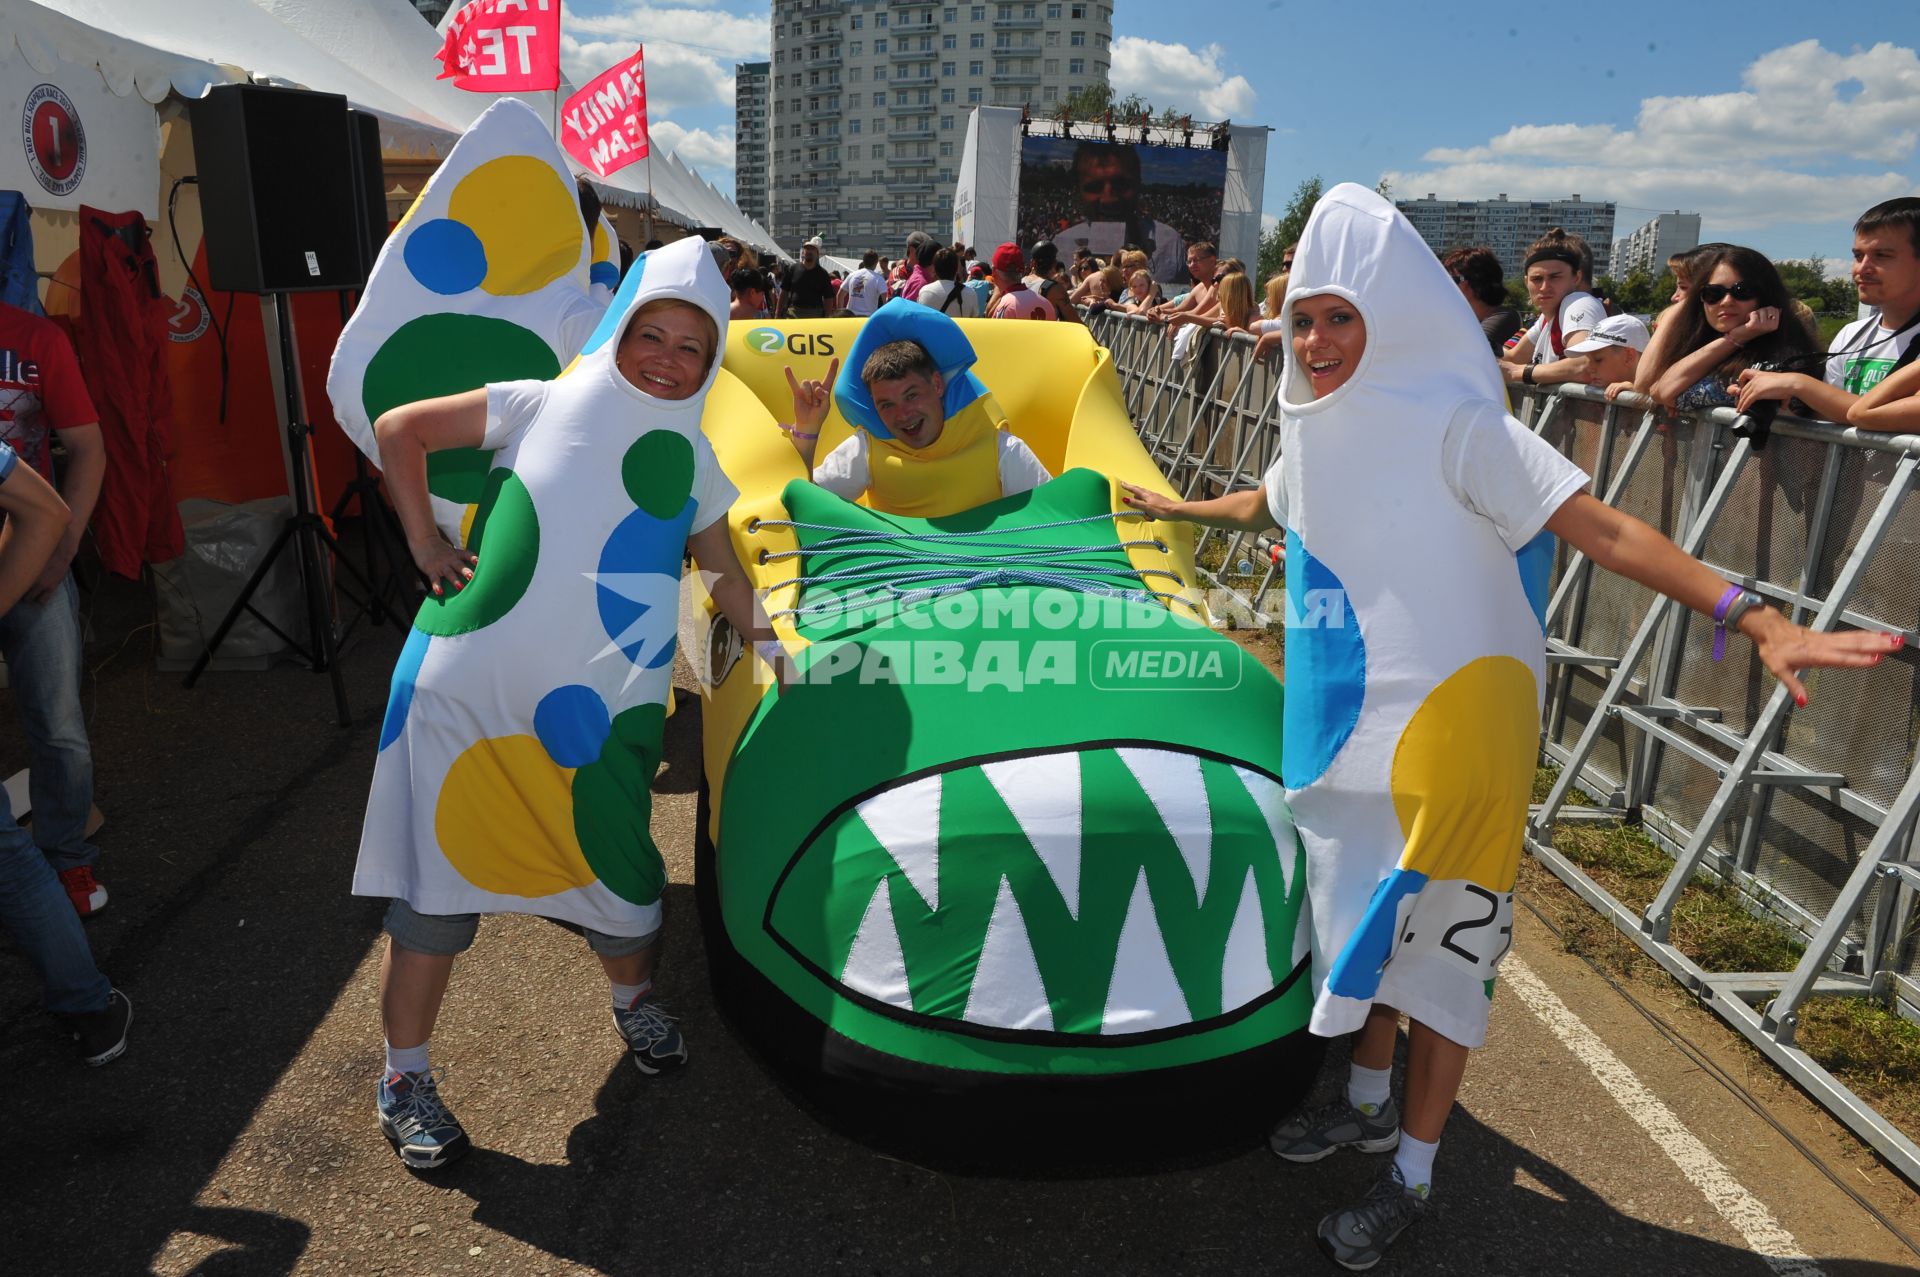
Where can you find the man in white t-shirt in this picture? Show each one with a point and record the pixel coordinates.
(908, 407)
(1556, 276)
(1886, 270)
(862, 292)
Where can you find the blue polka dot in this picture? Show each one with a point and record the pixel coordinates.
(638, 585)
(605, 273)
(1535, 561)
(400, 699)
(446, 256)
(1326, 668)
(618, 307)
(1356, 972)
(572, 723)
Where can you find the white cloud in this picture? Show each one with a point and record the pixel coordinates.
(676, 77)
(696, 147)
(690, 49)
(1189, 80)
(1762, 156)
(725, 35)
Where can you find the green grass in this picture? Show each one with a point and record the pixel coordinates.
(1871, 1048)
(1711, 922)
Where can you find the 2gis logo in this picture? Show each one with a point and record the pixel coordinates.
(772, 341)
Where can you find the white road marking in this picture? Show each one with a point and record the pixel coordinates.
(1741, 1209)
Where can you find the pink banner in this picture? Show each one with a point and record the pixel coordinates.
(604, 126)
(503, 46)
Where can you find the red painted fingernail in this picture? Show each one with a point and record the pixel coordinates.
(1801, 701)
(1899, 640)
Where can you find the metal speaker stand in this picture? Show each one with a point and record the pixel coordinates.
(313, 543)
(386, 561)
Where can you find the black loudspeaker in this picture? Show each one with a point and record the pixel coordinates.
(369, 186)
(277, 190)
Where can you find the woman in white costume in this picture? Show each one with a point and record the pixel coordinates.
(1415, 512)
(524, 725)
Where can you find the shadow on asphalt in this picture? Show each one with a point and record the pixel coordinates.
(233, 815)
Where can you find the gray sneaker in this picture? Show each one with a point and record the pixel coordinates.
(1356, 1238)
(1311, 1134)
(653, 1039)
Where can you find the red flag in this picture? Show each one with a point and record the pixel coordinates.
(604, 126)
(503, 46)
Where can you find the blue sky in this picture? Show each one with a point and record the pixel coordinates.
(1776, 122)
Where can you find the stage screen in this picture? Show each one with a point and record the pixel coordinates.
(1101, 195)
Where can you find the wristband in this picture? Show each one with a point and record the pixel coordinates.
(1741, 606)
(1526, 374)
(1727, 601)
(796, 432)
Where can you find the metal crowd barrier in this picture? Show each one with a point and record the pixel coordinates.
(1809, 814)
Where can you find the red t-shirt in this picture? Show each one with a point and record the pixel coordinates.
(40, 386)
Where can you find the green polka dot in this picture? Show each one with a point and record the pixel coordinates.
(443, 355)
(506, 540)
(658, 472)
(458, 474)
(613, 805)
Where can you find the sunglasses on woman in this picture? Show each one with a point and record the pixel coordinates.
(1714, 294)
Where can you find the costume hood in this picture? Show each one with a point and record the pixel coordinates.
(682, 271)
(903, 320)
(1423, 344)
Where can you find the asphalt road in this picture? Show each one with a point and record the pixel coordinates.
(237, 1135)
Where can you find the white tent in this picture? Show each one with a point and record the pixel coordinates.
(250, 42)
(377, 53)
(126, 65)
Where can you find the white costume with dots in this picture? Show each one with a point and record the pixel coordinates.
(1413, 506)
(523, 730)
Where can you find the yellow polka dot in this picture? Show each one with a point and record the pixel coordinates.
(1463, 772)
(505, 820)
(527, 219)
(600, 253)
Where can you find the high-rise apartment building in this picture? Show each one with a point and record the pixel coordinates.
(870, 103)
(1649, 247)
(1509, 226)
(752, 134)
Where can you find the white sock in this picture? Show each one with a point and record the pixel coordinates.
(1369, 1089)
(1415, 1160)
(625, 995)
(406, 1059)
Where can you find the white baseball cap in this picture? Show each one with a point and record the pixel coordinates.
(1614, 330)
(815, 242)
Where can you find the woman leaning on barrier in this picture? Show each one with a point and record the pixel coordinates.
(1736, 316)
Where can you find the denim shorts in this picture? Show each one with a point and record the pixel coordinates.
(444, 935)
